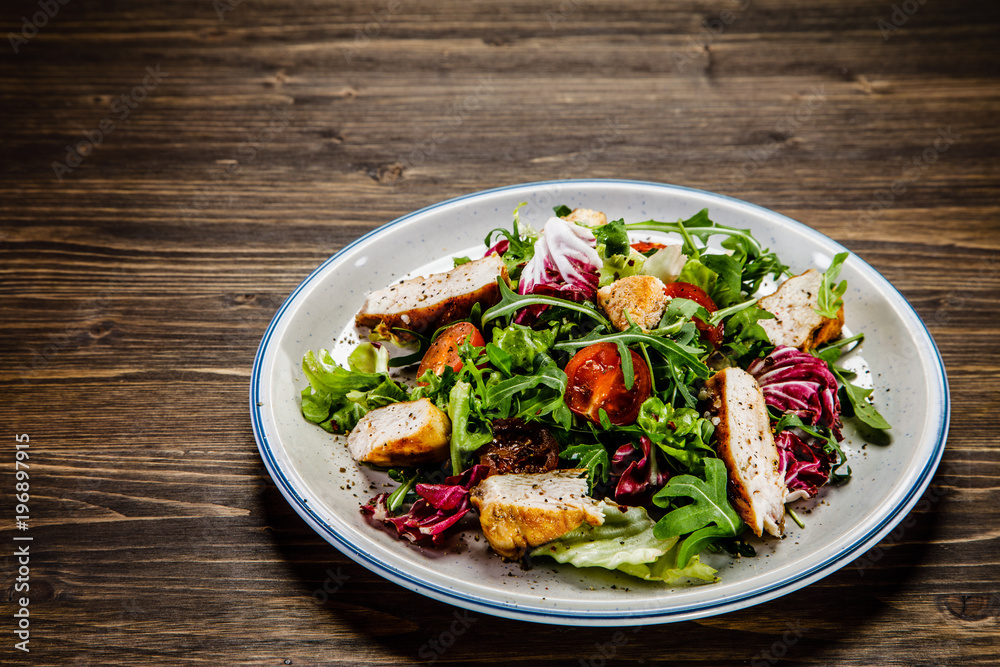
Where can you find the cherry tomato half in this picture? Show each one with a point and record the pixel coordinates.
(645, 246)
(444, 350)
(596, 381)
(694, 293)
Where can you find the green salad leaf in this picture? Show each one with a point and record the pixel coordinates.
(337, 398)
(625, 542)
(708, 516)
(830, 297)
(522, 344)
(858, 397)
(593, 457)
(681, 433)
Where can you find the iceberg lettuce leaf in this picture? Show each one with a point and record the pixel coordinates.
(624, 542)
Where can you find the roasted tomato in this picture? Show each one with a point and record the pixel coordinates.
(694, 293)
(519, 446)
(444, 350)
(644, 247)
(596, 381)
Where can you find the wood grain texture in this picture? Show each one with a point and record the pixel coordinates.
(134, 290)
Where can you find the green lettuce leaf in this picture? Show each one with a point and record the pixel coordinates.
(696, 273)
(681, 433)
(522, 344)
(337, 398)
(707, 517)
(624, 542)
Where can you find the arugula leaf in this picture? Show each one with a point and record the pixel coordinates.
(726, 288)
(863, 409)
(549, 375)
(500, 359)
(707, 517)
(593, 457)
(830, 299)
(699, 226)
(520, 245)
(562, 210)
(744, 340)
(511, 302)
(665, 346)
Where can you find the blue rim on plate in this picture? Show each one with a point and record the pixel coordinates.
(756, 595)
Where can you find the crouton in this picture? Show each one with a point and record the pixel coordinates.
(587, 217)
(641, 297)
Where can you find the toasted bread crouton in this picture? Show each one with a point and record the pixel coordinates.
(524, 510)
(402, 434)
(587, 217)
(424, 304)
(745, 444)
(641, 297)
(795, 322)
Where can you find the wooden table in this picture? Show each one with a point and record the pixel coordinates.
(171, 171)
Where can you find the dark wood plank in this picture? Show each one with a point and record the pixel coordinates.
(135, 289)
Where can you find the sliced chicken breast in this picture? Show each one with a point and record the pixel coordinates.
(641, 297)
(587, 216)
(745, 444)
(423, 304)
(402, 434)
(525, 510)
(795, 322)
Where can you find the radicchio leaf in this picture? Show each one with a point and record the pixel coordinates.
(642, 478)
(797, 382)
(806, 467)
(499, 249)
(439, 507)
(565, 265)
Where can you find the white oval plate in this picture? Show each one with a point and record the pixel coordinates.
(306, 462)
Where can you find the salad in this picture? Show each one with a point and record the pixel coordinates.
(601, 393)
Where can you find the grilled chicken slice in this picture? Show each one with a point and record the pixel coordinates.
(587, 217)
(401, 434)
(525, 510)
(423, 304)
(746, 445)
(795, 322)
(641, 297)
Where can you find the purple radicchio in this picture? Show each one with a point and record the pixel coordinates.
(642, 478)
(439, 507)
(805, 464)
(499, 248)
(797, 382)
(565, 263)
